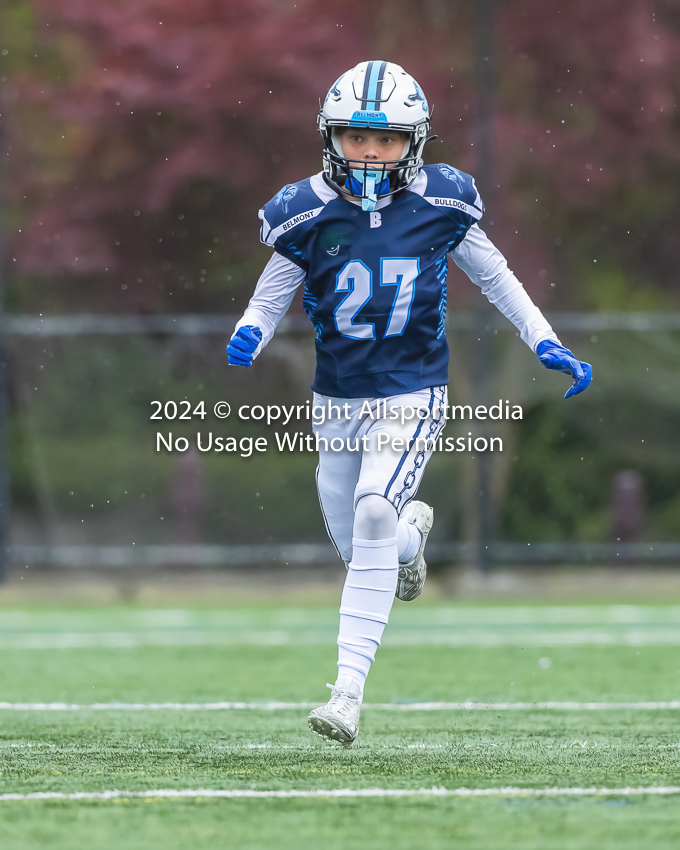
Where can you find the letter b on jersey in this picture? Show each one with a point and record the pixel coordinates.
(376, 219)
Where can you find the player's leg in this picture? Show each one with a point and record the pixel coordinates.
(391, 470)
(369, 588)
(336, 478)
(409, 539)
(397, 470)
(367, 599)
(388, 478)
(335, 483)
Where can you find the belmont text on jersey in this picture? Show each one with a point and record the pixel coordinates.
(376, 281)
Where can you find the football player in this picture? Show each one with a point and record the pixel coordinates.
(370, 238)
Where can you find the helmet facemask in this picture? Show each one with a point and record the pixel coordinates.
(371, 180)
(381, 96)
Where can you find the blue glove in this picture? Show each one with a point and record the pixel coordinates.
(555, 356)
(243, 344)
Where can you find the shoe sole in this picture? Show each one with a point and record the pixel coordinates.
(329, 731)
(402, 576)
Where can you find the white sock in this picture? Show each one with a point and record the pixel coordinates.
(366, 604)
(409, 539)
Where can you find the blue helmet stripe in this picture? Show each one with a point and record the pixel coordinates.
(367, 82)
(374, 76)
(378, 91)
(373, 85)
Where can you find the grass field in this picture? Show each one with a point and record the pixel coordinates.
(528, 708)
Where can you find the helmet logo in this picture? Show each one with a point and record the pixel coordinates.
(453, 174)
(334, 91)
(362, 116)
(284, 196)
(417, 97)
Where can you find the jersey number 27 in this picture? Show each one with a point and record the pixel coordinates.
(356, 279)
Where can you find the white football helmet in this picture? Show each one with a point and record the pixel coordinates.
(380, 96)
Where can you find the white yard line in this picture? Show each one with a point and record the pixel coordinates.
(174, 793)
(421, 635)
(310, 748)
(552, 705)
(381, 706)
(495, 626)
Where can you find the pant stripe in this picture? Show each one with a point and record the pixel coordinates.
(323, 514)
(406, 453)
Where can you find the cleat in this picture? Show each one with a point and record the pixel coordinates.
(338, 720)
(412, 576)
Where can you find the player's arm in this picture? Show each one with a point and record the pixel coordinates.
(272, 298)
(484, 264)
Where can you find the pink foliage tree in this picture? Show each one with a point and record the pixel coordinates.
(162, 95)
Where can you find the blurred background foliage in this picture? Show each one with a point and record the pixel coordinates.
(142, 136)
(85, 467)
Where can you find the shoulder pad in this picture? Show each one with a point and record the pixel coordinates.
(452, 190)
(293, 205)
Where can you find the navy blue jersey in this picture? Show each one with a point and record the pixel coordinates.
(375, 286)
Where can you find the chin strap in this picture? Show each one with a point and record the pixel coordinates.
(368, 191)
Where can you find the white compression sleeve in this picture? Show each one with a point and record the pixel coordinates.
(484, 264)
(367, 599)
(369, 586)
(272, 297)
(408, 541)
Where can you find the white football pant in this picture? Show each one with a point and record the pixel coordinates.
(343, 477)
(371, 466)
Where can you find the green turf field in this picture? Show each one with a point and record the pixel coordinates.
(508, 701)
